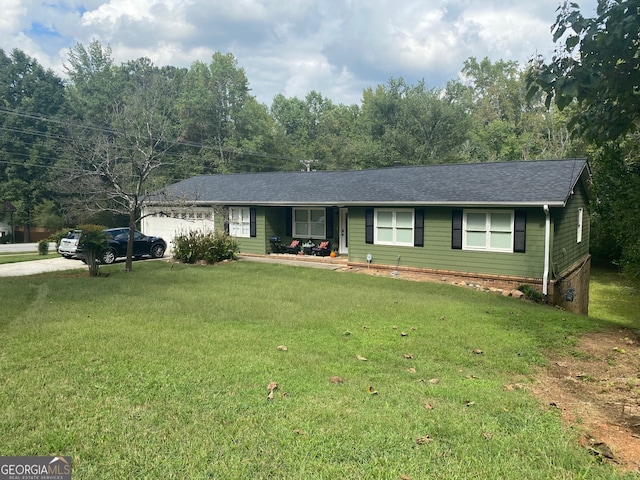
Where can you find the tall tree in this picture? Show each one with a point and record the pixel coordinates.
(413, 124)
(111, 169)
(30, 98)
(598, 67)
(94, 87)
(595, 76)
(212, 99)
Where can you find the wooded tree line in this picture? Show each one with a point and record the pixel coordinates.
(96, 142)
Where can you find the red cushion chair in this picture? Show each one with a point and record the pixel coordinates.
(293, 247)
(322, 250)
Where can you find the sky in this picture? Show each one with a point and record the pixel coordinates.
(335, 47)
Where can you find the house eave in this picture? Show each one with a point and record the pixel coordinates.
(203, 203)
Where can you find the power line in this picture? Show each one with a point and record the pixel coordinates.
(183, 143)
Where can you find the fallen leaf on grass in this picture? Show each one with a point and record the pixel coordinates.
(469, 403)
(405, 477)
(272, 386)
(361, 358)
(336, 380)
(477, 351)
(408, 356)
(282, 348)
(299, 432)
(424, 440)
(428, 406)
(434, 381)
(488, 436)
(403, 334)
(395, 327)
(411, 370)
(270, 396)
(372, 391)
(346, 333)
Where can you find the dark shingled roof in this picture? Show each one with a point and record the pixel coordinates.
(548, 182)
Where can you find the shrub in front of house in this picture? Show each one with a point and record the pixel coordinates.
(194, 246)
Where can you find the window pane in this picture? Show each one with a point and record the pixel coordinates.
(317, 230)
(385, 219)
(476, 239)
(301, 215)
(476, 221)
(404, 235)
(385, 235)
(317, 216)
(501, 222)
(501, 240)
(301, 230)
(404, 219)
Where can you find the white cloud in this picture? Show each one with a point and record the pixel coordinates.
(336, 47)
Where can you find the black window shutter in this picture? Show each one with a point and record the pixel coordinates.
(328, 217)
(252, 222)
(520, 231)
(368, 225)
(226, 214)
(456, 229)
(418, 229)
(288, 221)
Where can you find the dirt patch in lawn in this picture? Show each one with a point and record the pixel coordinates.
(597, 389)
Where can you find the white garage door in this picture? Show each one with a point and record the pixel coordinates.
(172, 222)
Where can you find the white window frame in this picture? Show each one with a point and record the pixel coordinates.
(580, 219)
(309, 224)
(239, 222)
(487, 230)
(394, 227)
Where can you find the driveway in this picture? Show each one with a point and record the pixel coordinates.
(35, 266)
(40, 266)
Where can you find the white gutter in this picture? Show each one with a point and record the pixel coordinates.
(547, 247)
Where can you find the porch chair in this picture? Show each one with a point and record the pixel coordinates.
(322, 250)
(293, 247)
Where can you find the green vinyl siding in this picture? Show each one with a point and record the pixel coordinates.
(437, 253)
(566, 250)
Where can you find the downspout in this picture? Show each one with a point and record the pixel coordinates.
(547, 247)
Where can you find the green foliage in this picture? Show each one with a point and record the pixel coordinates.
(43, 247)
(30, 95)
(194, 246)
(530, 293)
(92, 242)
(597, 67)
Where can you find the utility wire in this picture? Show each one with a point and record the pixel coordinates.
(103, 130)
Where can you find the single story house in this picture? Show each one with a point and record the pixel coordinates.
(6, 221)
(502, 224)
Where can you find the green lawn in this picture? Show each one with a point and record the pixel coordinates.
(6, 257)
(163, 373)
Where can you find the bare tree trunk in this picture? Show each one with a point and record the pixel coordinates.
(132, 228)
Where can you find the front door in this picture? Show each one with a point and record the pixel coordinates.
(344, 231)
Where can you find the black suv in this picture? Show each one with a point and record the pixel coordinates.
(117, 239)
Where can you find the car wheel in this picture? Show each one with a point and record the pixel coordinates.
(157, 251)
(108, 257)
